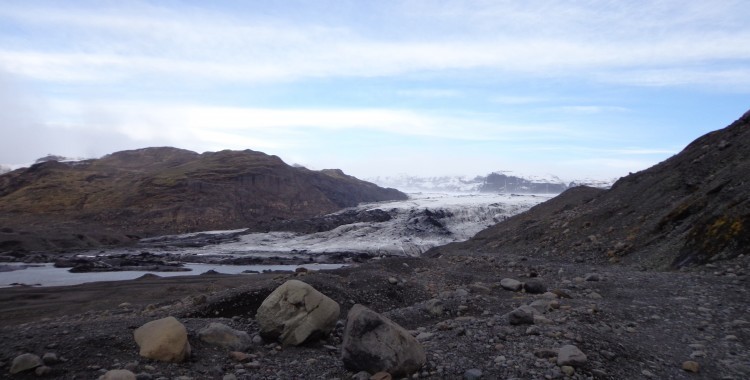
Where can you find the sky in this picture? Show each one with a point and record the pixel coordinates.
(578, 89)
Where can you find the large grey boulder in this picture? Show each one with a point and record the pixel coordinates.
(221, 335)
(374, 343)
(295, 312)
(163, 339)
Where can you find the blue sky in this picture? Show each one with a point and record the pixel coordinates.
(580, 89)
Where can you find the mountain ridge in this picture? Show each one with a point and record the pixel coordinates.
(687, 210)
(163, 190)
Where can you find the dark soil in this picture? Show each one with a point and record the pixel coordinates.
(643, 325)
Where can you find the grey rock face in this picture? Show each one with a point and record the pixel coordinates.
(374, 343)
(296, 312)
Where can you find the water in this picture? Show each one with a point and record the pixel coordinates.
(48, 275)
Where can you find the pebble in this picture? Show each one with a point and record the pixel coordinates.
(229, 377)
(50, 358)
(381, 376)
(392, 280)
(473, 374)
(568, 370)
(648, 374)
(362, 375)
(691, 366)
(43, 370)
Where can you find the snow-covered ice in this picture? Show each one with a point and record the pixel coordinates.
(423, 221)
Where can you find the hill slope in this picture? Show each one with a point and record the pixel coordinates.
(690, 209)
(166, 190)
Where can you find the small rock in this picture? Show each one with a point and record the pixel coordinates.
(648, 374)
(524, 315)
(473, 374)
(118, 374)
(230, 376)
(570, 355)
(25, 362)
(568, 370)
(221, 335)
(50, 358)
(434, 307)
(381, 376)
(511, 284)
(239, 356)
(392, 280)
(595, 296)
(43, 370)
(691, 366)
(361, 375)
(534, 287)
(592, 277)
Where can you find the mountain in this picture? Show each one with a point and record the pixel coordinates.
(155, 191)
(691, 209)
(497, 182)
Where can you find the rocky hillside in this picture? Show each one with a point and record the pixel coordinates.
(165, 190)
(690, 209)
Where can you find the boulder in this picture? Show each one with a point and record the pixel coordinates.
(295, 312)
(25, 362)
(374, 343)
(118, 374)
(221, 335)
(163, 339)
(511, 284)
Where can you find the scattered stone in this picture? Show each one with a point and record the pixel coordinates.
(296, 312)
(534, 287)
(524, 315)
(434, 307)
(648, 374)
(118, 374)
(511, 284)
(25, 362)
(221, 335)
(546, 353)
(231, 376)
(361, 375)
(561, 293)
(43, 370)
(570, 355)
(473, 374)
(691, 366)
(479, 288)
(374, 343)
(381, 376)
(163, 339)
(592, 277)
(239, 356)
(568, 370)
(392, 280)
(595, 296)
(541, 306)
(50, 358)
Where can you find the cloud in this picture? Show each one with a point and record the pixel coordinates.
(648, 44)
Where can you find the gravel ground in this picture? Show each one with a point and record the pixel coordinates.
(630, 323)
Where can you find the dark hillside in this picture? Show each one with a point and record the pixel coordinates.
(156, 191)
(690, 209)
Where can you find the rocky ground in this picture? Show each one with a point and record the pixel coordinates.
(629, 323)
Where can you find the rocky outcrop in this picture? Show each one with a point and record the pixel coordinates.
(157, 191)
(374, 343)
(221, 335)
(295, 312)
(690, 209)
(164, 340)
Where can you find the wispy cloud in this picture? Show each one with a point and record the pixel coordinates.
(594, 42)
